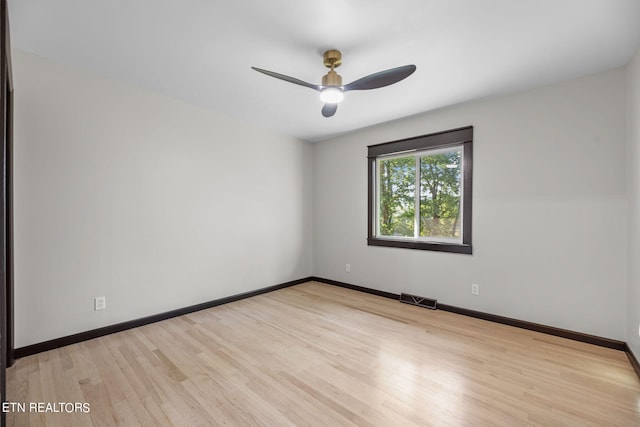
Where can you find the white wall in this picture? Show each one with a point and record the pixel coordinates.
(146, 200)
(549, 209)
(633, 126)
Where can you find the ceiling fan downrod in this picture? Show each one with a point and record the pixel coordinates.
(332, 59)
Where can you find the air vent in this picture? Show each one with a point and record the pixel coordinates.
(419, 301)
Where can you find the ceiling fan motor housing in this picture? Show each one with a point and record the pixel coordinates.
(332, 79)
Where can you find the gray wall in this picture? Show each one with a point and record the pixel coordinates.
(549, 209)
(146, 200)
(633, 123)
(157, 205)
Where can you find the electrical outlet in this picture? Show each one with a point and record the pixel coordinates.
(638, 330)
(99, 303)
(347, 268)
(475, 289)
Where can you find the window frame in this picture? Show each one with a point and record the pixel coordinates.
(460, 137)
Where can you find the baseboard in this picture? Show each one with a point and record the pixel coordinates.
(95, 333)
(537, 327)
(550, 330)
(119, 327)
(632, 359)
(356, 288)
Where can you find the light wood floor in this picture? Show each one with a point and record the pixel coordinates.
(320, 355)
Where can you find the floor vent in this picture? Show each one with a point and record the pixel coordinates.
(419, 301)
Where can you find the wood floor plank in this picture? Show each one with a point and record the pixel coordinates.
(319, 355)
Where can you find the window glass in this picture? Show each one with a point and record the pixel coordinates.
(397, 192)
(440, 200)
(420, 192)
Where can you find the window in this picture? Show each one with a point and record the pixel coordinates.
(420, 192)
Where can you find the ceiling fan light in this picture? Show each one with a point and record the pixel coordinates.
(331, 95)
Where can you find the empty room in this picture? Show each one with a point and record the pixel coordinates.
(338, 213)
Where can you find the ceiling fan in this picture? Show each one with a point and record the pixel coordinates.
(332, 91)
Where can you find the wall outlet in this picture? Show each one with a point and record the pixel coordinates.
(475, 289)
(99, 303)
(638, 330)
(347, 268)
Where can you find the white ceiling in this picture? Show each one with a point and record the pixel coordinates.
(201, 51)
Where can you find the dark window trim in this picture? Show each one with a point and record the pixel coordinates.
(454, 137)
(432, 140)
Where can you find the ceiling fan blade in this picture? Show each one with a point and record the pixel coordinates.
(381, 78)
(287, 78)
(329, 109)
